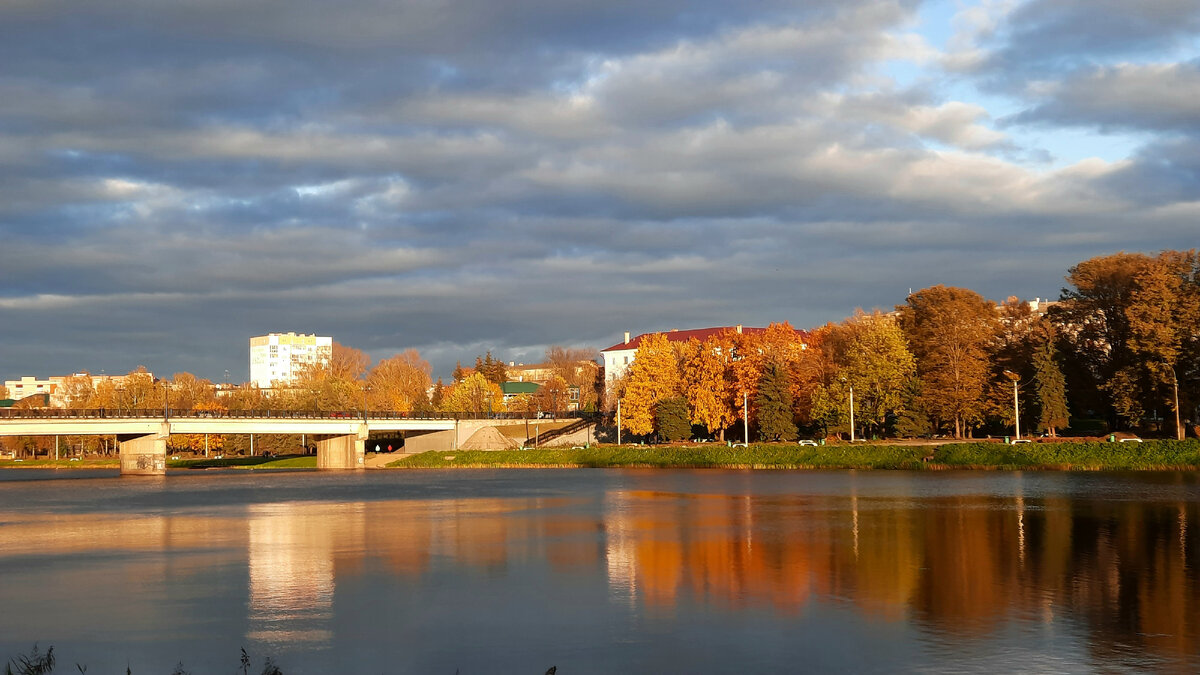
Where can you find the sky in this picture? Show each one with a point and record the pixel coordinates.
(472, 175)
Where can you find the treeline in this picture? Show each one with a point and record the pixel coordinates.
(1122, 344)
(346, 382)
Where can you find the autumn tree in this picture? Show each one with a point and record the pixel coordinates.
(1164, 326)
(348, 363)
(950, 331)
(78, 391)
(399, 383)
(460, 373)
(869, 353)
(708, 382)
(328, 385)
(476, 395)
(188, 391)
(579, 369)
(653, 376)
(202, 442)
(553, 395)
(773, 402)
(878, 363)
(493, 370)
(1093, 323)
(137, 391)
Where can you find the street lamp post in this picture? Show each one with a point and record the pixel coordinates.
(1016, 404)
(746, 417)
(851, 412)
(1178, 428)
(618, 421)
(851, 385)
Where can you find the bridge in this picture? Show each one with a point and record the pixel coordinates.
(340, 436)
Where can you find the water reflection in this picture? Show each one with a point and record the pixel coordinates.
(1010, 566)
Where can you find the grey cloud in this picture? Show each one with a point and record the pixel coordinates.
(1047, 35)
(1160, 97)
(502, 176)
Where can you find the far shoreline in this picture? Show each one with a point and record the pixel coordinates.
(1148, 455)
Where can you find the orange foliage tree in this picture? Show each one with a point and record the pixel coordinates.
(653, 376)
(708, 382)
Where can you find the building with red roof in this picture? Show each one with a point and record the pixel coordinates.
(618, 357)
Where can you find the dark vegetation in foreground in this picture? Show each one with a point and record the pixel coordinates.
(42, 663)
(37, 662)
(1148, 455)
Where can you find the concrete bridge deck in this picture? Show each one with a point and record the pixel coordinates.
(340, 435)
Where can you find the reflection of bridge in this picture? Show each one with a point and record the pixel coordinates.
(339, 436)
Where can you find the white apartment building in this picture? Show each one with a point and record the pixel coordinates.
(276, 357)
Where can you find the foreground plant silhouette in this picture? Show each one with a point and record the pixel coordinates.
(37, 662)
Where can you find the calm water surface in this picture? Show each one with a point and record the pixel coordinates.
(603, 571)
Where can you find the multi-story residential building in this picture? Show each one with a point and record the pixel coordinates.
(53, 386)
(30, 385)
(277, 357)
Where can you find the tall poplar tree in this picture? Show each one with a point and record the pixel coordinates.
(1050, 388)
(773, 401)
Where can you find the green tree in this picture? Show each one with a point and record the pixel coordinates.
(671, 419)
(438, 395)
(913, 419)
(1050, 387)
(773, 401)
(878, 363)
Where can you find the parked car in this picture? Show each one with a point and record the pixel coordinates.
(807, 441)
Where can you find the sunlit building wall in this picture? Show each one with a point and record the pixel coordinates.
(278, 357)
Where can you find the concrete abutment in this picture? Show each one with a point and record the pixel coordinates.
(143, 454)
(341, 452)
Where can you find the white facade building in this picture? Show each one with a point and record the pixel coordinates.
(277, 357)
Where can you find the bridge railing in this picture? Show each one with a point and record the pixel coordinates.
(171, 413)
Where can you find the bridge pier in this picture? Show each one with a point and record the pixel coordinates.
(342, 452)
(144, 454)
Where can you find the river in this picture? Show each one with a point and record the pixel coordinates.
(603, 571)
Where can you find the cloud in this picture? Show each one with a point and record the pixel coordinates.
(475, 175)
(1140, 97)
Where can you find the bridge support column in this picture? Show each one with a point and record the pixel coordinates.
(342, 452)
(143, 454)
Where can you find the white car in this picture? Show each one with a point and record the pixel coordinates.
(1130, 440)
(806, 441)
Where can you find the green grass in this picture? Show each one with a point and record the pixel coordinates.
(108, 463)
(764, 456)
(1150, 455)
(259, 462)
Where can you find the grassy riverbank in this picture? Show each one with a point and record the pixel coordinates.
(288, 462)
(106, 463)
(1150, 455)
